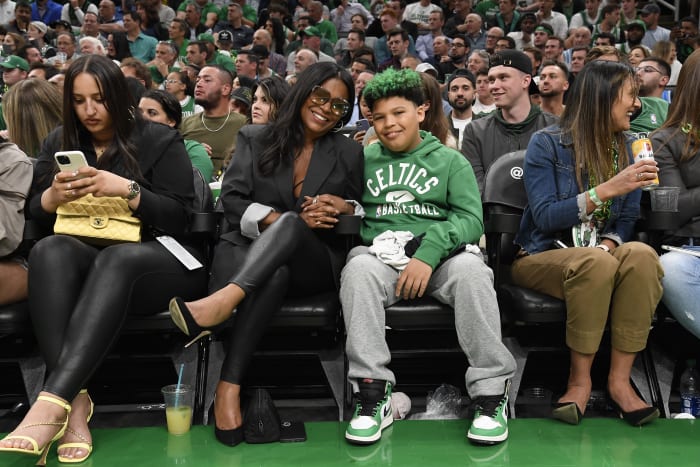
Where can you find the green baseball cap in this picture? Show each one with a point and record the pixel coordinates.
(637, 22)
(13, 61)
(205, 36)
(311, 31)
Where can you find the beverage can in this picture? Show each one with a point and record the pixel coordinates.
(642, 149)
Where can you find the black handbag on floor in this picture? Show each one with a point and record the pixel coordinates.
(261, 420)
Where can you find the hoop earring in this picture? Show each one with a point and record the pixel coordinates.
(338, 126)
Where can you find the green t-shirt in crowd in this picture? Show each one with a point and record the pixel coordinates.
(200, 159)
(652, 116)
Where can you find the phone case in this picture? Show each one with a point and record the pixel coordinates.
(70, 161)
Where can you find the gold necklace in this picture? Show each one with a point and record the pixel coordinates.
(222, 125)
(99, 150)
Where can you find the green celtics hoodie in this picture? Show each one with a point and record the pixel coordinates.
(430, 190)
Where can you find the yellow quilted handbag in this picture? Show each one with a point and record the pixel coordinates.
(99, 221)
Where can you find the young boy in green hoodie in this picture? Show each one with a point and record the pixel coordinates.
(415, 186)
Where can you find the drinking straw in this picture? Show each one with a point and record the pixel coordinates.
(179, 382)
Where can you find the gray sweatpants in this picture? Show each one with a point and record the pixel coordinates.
(464, 282)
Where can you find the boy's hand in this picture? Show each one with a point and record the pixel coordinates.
(414, 279)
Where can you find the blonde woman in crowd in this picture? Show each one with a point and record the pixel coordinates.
(666, 50)
(32, 109)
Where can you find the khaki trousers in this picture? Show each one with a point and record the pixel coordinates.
(624, 286)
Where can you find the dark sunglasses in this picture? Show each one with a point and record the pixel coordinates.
(319, 96)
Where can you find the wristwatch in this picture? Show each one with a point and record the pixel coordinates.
(134, 190)
(604, 247)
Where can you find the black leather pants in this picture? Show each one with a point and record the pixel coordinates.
(287, 259)
(79, 297)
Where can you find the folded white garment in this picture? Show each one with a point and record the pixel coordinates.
(389, 248)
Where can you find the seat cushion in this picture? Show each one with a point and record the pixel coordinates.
(320, 312)
(14, 319)
(420, 313)
(529, 306)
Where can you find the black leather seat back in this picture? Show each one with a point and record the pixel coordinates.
(503, 183)
(504, 201)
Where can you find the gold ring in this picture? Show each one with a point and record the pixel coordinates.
(315, 200)
(639, 176)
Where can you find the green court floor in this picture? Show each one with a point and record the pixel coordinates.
(533, 442)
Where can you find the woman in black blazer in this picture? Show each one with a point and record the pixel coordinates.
(282, 193)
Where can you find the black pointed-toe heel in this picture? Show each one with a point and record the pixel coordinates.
(229, 437)
(636, 417)
(567, 412)
(183, 319)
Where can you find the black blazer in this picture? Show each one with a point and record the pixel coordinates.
(167, 187)
(336, 167)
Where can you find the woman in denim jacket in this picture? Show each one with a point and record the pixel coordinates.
(583, 191)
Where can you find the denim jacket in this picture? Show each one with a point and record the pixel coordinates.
(555, 203)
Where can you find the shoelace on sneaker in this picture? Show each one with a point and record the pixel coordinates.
(368, 407)
(488, 405)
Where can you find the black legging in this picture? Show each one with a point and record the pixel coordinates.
(287, 259)
(79, 297)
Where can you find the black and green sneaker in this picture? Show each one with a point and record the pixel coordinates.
(490, 424)
(372, 412)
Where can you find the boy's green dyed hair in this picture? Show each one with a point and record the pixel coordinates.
(404, 83)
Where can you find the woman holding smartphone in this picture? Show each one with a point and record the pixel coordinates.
(282, 194)
(79, 294)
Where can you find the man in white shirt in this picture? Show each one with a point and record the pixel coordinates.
(555, 19)
(7, 11)
(424, 43)
(418, 13)
(341, 16)
(655, 33)
(484, 102)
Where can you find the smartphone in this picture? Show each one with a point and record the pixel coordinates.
(362, 124)
(70, 161)
(292, 432)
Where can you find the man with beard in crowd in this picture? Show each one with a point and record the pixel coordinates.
(652, 75)
(554, 81)
(459, 50)
(461, 89)
(634, 32)
(217, 125)
(523, 37)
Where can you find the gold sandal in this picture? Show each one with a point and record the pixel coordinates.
(83, 444)
(35, 451)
